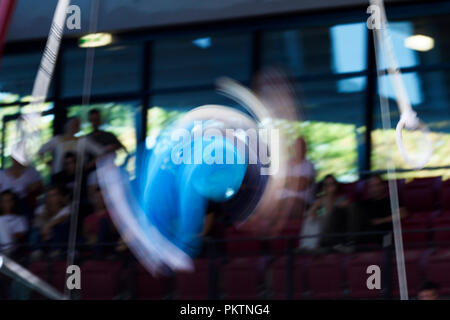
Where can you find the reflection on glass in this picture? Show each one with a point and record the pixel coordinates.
(119, 119)
(10, 129)
(317, 49)
(433, 110)
(349, 58)
(188, 62)
(17, 75)
(116, 70)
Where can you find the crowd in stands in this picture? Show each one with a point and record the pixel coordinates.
(40, 215)
(37, 216)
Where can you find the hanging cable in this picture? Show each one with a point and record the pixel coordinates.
(408, 120)
(81, 145)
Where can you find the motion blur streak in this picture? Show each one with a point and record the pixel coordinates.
(161, 215)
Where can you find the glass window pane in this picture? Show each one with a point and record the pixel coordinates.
(200, 61)
(10, 129)
(432, 107)
(433, 49)
(166, 107)
(333, 126)
(17, 76)
(317, 49)
(116, 70)
(119, 118)
(332, 123)
(4, 112)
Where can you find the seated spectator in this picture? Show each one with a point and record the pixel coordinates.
(328, 214)
(24, 181)
(428, 291)
(66, 177)
(310, 231)
(51, 223)
(13, 226)
(375, 213)
(98, 227)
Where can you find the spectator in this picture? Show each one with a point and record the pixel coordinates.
(22, 180)
(66, 177)
(428, 291)
(100, 137)
(25, 182)
(374, 214)
(13, 226)
(97, 227)
(59, 145)
(327, 215)
(51, 223)
(300, 179)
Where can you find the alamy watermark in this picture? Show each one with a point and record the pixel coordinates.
(73, 20)
(374, 21)
(212, 145)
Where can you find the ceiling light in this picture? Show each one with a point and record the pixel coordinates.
(203, 43)
(419, 42)
(94, 40)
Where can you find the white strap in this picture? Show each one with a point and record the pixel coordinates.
(408, 118)
(29, 129)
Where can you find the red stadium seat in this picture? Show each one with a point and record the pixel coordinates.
(100, 279)
(291, 229)
(41, 270)
(419, 198)
(437, 270)
(194, 285)
(58, 275)
(414, 266)
(242, 243)
(243, 278)
(325, 276)
(443, 218)
(149, 287)
(420, 194)
(279, 279)
(357, 274)
(442, 237)
(445, 196)
(414, 225)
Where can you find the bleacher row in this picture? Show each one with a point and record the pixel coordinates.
(428, 203)
(330, 276)
(262, 268)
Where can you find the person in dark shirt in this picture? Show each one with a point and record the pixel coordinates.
(102, 138)
(375, 213)
(66, 177)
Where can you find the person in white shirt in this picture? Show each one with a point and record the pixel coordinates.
(60, 145)
(13, 226)
(21, 180)
(300, 178)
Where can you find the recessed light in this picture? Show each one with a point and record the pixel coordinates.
(94, 40)
(419, 42)
(203, 43)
